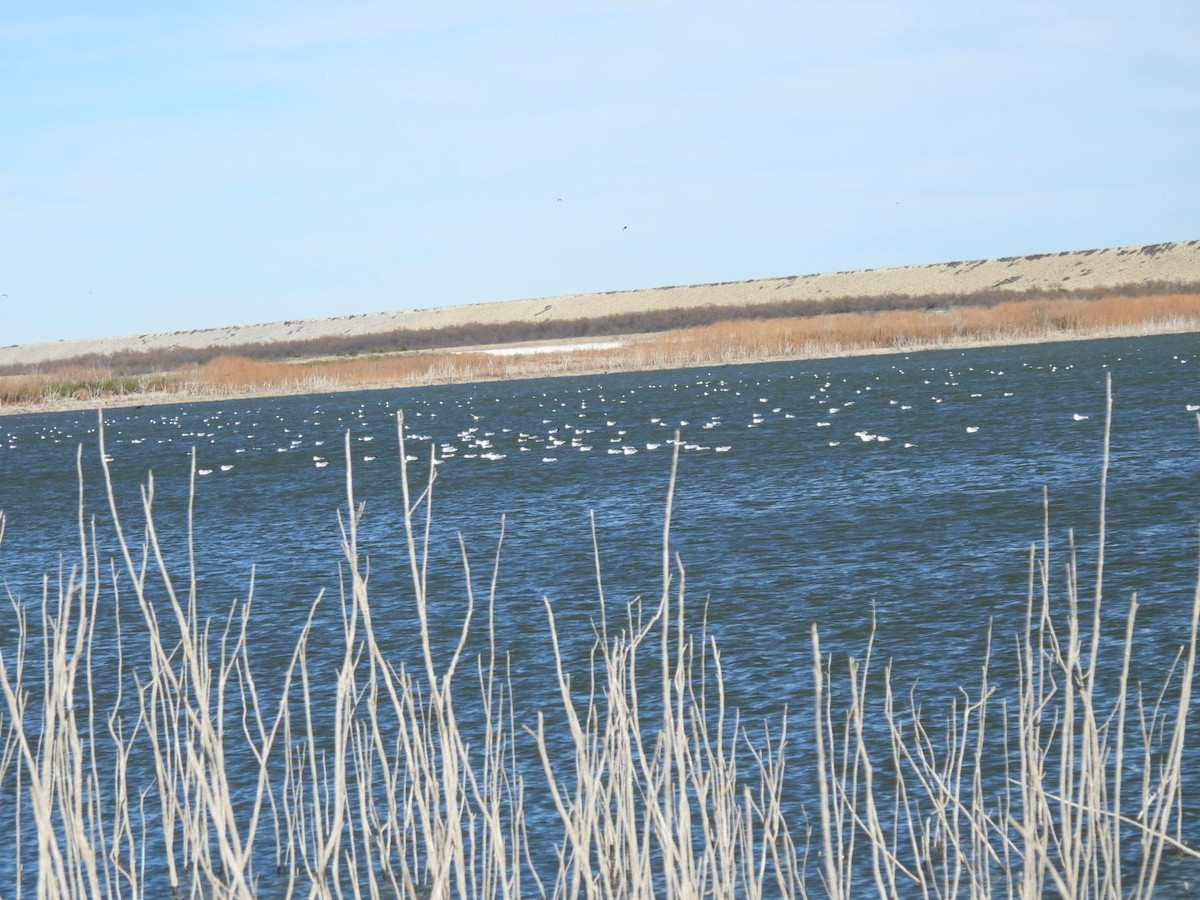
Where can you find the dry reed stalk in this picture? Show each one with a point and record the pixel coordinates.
(662, 790)
(653, 797)
(1061, 823)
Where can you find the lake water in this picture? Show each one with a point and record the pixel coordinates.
(904, 487)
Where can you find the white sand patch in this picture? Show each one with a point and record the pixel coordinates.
(553, 348)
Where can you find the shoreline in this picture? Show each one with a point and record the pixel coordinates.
(1107, 269)
(315, 386)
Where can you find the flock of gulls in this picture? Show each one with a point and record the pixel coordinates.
(548, 423)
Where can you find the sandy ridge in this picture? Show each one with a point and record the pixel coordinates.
(1083, 269)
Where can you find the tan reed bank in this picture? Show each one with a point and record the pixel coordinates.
(734, 341)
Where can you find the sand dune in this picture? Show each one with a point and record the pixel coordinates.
(1177, 262)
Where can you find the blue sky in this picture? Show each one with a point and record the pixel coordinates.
(164, 169)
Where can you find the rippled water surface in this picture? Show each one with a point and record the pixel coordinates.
(905, 487)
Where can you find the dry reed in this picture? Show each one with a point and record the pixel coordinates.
(734, 341)
(197, 778)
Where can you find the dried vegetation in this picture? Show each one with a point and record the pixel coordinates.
(198, 779)
(663, 340)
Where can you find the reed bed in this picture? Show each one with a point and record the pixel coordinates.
(922, 329)
(734, 341)
(80, 384)
(203, 776)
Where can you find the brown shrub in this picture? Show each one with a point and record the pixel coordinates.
(239, 371)
(904, 328)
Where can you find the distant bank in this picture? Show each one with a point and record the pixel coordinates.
(1166, 264)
